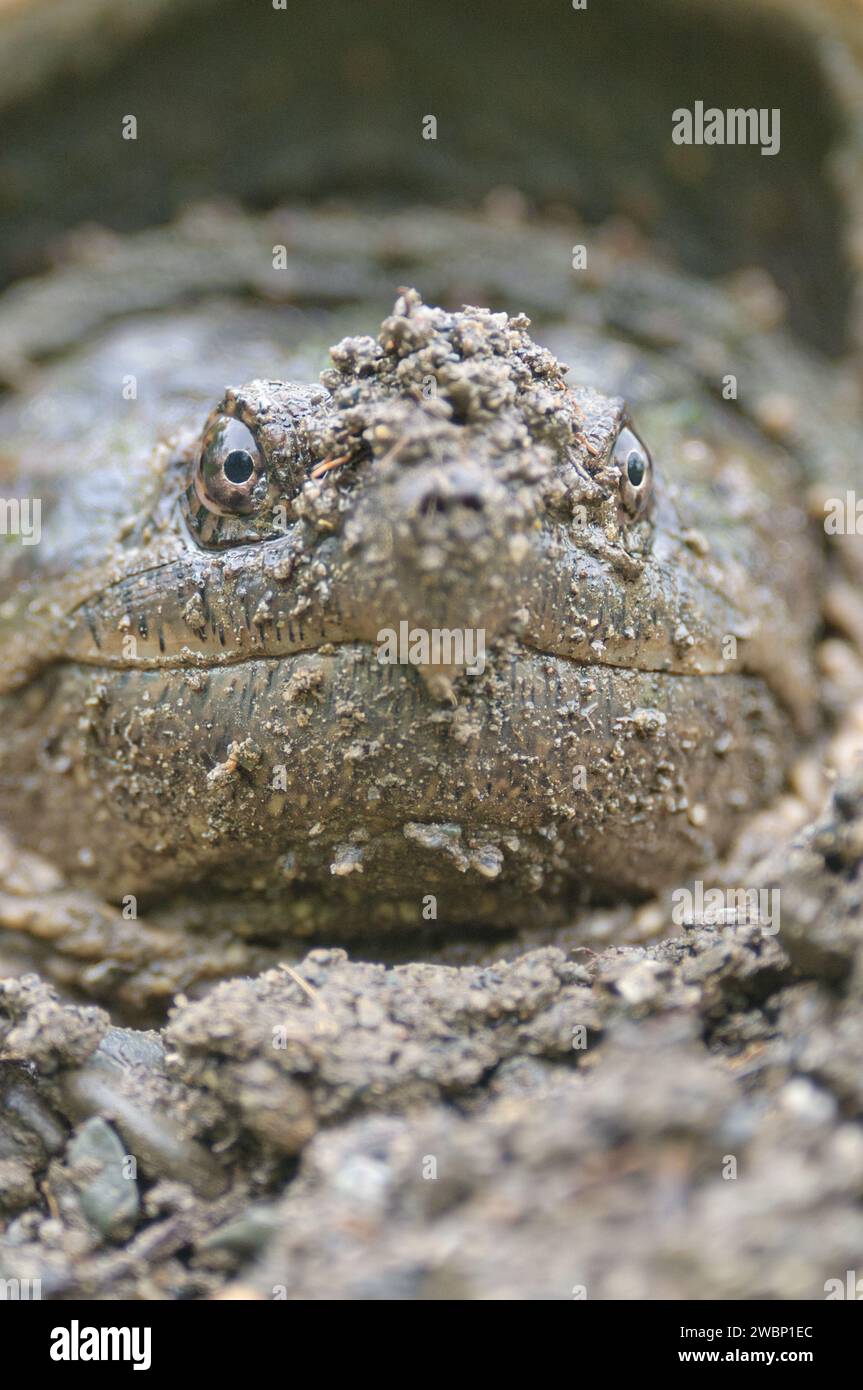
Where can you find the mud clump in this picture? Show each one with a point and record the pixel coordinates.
(354, 1131)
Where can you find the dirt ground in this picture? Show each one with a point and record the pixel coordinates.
(670, 1120)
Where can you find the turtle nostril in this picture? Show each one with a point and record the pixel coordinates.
(440, 504)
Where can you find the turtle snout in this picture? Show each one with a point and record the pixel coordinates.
(447, 517)
(446, 553)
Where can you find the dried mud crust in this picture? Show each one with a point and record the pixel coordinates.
(524, 1129)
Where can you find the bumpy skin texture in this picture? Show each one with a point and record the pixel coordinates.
(198, 699)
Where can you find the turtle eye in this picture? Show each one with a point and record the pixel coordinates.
(231, 476)
(636, 470)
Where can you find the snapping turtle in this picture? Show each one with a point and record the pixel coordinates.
(230, 680)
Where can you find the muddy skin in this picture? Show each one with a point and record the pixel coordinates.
(204, 701)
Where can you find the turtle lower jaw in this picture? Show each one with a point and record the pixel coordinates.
(330, 773)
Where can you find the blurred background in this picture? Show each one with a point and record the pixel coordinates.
(237, 100)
